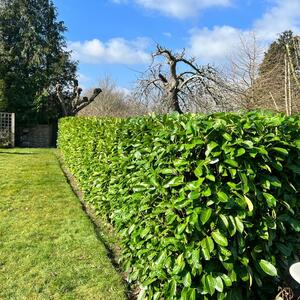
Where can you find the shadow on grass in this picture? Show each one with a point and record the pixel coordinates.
(18, 153)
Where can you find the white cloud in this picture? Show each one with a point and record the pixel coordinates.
(178, 8)
(284, 15)
(213, 45)
(116, 50)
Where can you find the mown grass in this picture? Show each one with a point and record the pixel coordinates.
(48, 247)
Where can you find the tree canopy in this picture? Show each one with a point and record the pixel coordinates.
(277, 77)
(33, 59)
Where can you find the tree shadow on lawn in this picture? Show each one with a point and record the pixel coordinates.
(18, 153)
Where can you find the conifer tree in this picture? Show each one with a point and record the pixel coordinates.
(277, 74)
(33, 59)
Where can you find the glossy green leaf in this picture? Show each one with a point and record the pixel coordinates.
(239, 224)
(210, 147)
(267, 267)
(205, 215)
(271, 201)
(231, 162)
(219, 238)
(222, 196)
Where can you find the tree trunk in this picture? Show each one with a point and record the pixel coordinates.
(175, 102)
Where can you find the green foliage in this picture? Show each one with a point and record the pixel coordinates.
(207, 206)
(33, 59)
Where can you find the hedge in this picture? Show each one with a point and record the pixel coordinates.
(207, 207)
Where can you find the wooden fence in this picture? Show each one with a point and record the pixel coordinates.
(7, 129)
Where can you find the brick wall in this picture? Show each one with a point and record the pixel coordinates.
(38, 136)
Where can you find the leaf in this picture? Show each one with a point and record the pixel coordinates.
(295, 224)
(219, 284)
(211, 146)
(239, 224)
(232, 226)
(192, 294)
(196, 258)
(167, 171)
(174, 182)
(249, 203)
(227, 137)
(219, 238)
(161, 259)
(207, 192)
(173, 287)
(194, 195)
(271, 201)
(214, 161)
(194, 185)
(224, 220)
(248, 144)
(281, 151)
(240, 152)
(210, 284)
(226, 280)
(179, 264)
(207, 246)
(199, 171)
(205, 215)
(211, 177)
(187, 280)
(222, 196)
(231, 162)
(181, 228)
(205, 251)
(209, 243)
(245, 183)
(267, 267)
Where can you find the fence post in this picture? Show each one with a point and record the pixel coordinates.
(13, 130)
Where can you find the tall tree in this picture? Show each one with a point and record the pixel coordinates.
(278, 80)
(33, 59)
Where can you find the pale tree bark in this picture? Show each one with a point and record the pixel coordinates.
(175, 83)
(72, 103)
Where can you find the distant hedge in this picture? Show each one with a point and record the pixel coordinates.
(207, 206)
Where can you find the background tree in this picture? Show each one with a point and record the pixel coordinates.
(33, 59)
(242, 71)
(176, 83)
(113, 102)
(276, 80)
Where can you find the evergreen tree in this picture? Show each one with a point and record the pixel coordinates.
(33, 59)
(272, 73)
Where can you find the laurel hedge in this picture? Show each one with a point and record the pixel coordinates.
(207, 207)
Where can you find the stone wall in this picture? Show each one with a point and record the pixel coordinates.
(38, 136)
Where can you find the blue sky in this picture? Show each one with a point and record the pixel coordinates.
(116, 37)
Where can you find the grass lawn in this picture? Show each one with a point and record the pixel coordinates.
(48, 247)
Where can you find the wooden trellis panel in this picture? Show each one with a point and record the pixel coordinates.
(7, 129)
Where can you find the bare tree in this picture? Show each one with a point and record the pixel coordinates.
(71, 101)
(113, 102)
(242, 70)
(176, 83)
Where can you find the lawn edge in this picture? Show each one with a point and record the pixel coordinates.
(104, 231)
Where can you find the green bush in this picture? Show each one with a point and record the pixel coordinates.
(207, 206)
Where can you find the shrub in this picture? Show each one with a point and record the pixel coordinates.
(207, 206)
